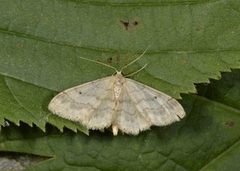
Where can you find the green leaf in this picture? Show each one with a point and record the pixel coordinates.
(190, 42)
(20, 101)
(40, 43)
(226, 92)
(188, 145)
(207, 139)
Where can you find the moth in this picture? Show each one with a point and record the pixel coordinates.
(117, 101)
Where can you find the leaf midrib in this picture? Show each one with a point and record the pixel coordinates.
(153, 4)
(92, 48)
(222, 153)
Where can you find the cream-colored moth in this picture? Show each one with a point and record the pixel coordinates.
(117, 101)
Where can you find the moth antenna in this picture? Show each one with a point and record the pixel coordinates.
(129, 75)
(98, 62)
(136, 59)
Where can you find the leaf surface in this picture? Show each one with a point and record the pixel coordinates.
(192, 144)
(40, 43)
(226, 91)
(207, 139)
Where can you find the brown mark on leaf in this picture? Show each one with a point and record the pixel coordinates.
(128, 25)
(109, 60)
(135, 23)
(19, 45)
(184, 61)
(229, 124)
(199, 28)
(117, 58)
(125, 24)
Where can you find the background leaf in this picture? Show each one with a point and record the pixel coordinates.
(207, 139)
(20, 101)
(226, 92)
(190, 42)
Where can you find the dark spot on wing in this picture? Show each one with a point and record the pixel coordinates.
(80, 92)
(155, 97)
